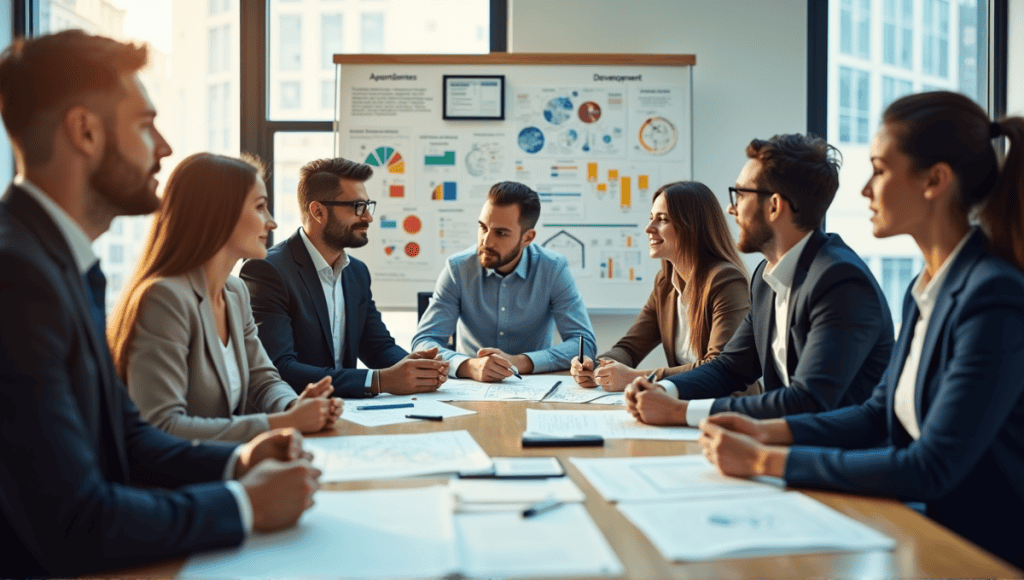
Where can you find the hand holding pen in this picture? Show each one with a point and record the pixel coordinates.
(582, 369)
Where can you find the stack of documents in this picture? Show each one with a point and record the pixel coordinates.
(690, 511)
(386, 412)
(380, 456)
(413, 533)
(608, 424)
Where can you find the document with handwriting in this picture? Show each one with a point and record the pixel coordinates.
(616, 424)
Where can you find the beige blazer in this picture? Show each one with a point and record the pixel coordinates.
(729, 297)
(176, 373)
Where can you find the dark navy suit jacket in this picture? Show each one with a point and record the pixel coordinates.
(968, 464)
(291, 312)
(72, 446)
(840, 339)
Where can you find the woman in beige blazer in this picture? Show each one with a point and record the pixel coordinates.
(183, 336)
(699, 298)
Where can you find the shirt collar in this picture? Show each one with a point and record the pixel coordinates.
(521, 268)
(74, 235)
(781, 276)
(925, 293)
(319, 262)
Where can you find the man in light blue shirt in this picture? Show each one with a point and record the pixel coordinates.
(504, 295)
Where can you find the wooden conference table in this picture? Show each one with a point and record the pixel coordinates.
(924, 548)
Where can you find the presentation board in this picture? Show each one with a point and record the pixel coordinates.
(594, 135)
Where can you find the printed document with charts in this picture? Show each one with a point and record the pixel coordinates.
(414, 533)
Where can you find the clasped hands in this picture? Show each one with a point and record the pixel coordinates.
(278, 478)
(492, 365)
(312, 411)
(419, 372)
(610, 375)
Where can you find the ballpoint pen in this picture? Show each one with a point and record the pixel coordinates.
(650, 379)
(426, 417)
(581, 350)
(515, 372)
(551, 390)
(379, 407)
(541, 507)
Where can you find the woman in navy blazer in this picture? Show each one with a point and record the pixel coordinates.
(945, 426)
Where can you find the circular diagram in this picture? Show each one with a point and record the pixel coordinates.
(412, 224)
(558, 110)
(567, 138)
(476, 162)
(412, 249)
(531, 139)
(589, 112)
(658, 135)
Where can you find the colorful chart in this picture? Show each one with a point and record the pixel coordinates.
(658, 135)
(386, 157)
(589, 112)
(444, 191)
(446, 158)
(558, 110)
(531, 139)
(387, 224)
(396, 191)
(412, 249)
(412, 224)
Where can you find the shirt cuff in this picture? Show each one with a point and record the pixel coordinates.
(454, 363)
(244, 506)
(543, 361)
(670, 388)
(697, 411)
(369, 379)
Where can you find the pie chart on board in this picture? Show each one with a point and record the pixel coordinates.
(412, 249)
(386, 157)
(412, 224)
(589, 112)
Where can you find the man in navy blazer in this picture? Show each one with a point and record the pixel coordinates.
(819, 332)
(312, 301)
(74, 453)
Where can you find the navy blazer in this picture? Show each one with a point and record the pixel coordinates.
(968, 464)
(72, 446)
(291, 312)
(840, 339)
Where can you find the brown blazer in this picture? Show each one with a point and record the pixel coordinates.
(730, 301)
(176, 369)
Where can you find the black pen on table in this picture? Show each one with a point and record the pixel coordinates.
(541, 507)
(426, 417)
(551, 390)
(379, 407)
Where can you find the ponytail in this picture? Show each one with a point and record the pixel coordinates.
(1002, 214)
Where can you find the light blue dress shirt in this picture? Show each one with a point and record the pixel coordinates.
(516, 313)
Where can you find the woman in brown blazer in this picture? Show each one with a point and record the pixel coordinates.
(699, 298)
(183, 337)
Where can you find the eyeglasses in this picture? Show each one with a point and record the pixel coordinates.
(734, 190)
(360, 206)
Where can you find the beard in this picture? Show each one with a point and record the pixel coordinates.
(122, 184)
(494, 260)
(754, 237)
(339, 237)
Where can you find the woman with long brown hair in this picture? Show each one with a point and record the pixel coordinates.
(945, 424)
(183, 336)
(699, 298)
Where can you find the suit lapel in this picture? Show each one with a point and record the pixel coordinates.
(106, 406)
(672, 315)
(898, 434)
(352, 291)
(956, 278)
(214, 352)
(803, 265)
(307, 273)
(764, 303)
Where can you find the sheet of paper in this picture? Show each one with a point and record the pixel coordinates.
(364, 534)
(609, 424)
(380, 417)
(382, 456)
(738, 527)
(671, 477)
(570, 392)
(561, 542)
(530, 388)
(512, 494)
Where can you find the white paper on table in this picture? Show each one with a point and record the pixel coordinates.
(742, 527)
(512, 494)
(380, 417)
(381, 456)
(367, 534)
(530, 388)
(563, 541)
(671, 477)
(608, 424)
(570, 392)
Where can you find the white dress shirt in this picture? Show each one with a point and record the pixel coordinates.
(684, 353)
(234, 374)
(780, 278)
(924, 293)
(81, 251)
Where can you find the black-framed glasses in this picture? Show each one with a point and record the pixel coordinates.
(734, 190)
(360, 206)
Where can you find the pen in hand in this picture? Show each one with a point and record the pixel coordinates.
(581, 350)
(515, 372)
(650, 379)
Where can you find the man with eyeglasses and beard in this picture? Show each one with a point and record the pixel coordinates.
(819, 331)
(312, 301)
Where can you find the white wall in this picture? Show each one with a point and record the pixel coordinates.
(750, 79)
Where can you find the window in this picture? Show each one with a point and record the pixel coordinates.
(897, 274)
(893, 89)
(291, 95)
(853, 105)
(291, 42)
(898, 33)
(330, 39)
(327, 95)
(935, 37)
(855, 28)
(372, 32)
(214, 50)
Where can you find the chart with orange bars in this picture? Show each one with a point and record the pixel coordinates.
(628, 186)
